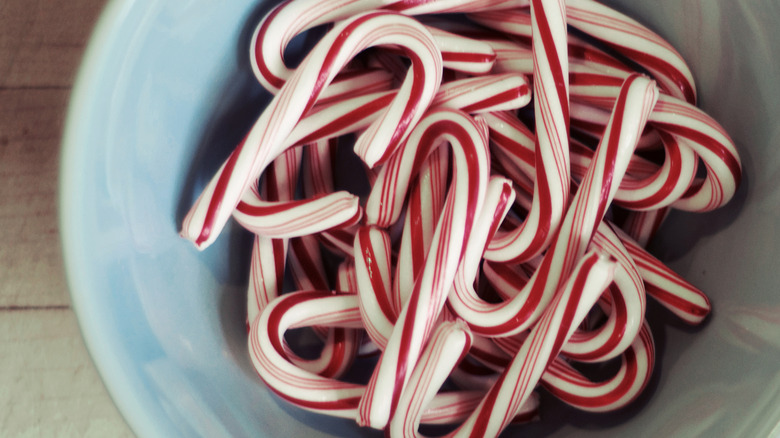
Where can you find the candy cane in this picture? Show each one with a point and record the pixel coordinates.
(374, 280)
(278, 27)
(448, 346)
(419, 7)
(643, 225)
(695, 129)
(587, 209)
(636, 368)
(424, 205)
(483, 94)
(589, 278)
(670, 289)
(648, 186)
(637, 42)
(266, 272)
(266, 138)
(313, 392)
(297, 218)
(626, 300)
(415, 323)
(551, 106)
(269, 356)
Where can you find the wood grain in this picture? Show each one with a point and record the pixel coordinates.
(30, 130)
(48, 384)
(54, 388)
(41, 41)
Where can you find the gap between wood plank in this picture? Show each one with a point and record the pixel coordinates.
(13, 308)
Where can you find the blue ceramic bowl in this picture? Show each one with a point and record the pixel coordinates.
(166, 91)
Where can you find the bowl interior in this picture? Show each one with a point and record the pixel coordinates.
(166, 92)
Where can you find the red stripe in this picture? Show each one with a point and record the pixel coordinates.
(270, 208)
(708, 142)
(374, 274)
(348, 118)
(497, 99)
(219, 194)
(470, 57)
(259, 61)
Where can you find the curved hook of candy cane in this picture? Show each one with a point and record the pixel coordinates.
(269, 355)
(637, 42)
(589, 278)
(551, 107)
(283, 23)
(625, 301)
(691, 128)
(468, 140)
(636, 367)
(598, 188)
(498, 200)
(668, 184)
(711, 143)
(448, 345)
(316, 393)
(341, 345)
(351, 113)
(266, 139)
(647, 186)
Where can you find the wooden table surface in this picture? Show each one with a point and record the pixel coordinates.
(48, 384)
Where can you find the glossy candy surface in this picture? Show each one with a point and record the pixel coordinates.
(160, 318)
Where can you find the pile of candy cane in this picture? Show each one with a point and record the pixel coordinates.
(484, 248)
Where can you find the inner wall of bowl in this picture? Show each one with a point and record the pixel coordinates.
(168, 92)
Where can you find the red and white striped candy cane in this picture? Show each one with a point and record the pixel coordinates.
(341, 345)
(585, 213)
(671, 290)
(468, 139)
(498, 200)
(487, 93)
(266, 270)
(270, 356)
(695, 129)
(423, 208)
(419, 7)
(636, 42)
(636, 368)
(515, 55)
(298, 217)
(463, 54)
(348, 114)
(447, 347)
(373, 269)
(643, 225)
(515, 384)
(284, 22)
(625, 301)
(310, 391)
(551, 107)
(266, 139)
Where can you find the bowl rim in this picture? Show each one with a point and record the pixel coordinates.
(72, 150)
